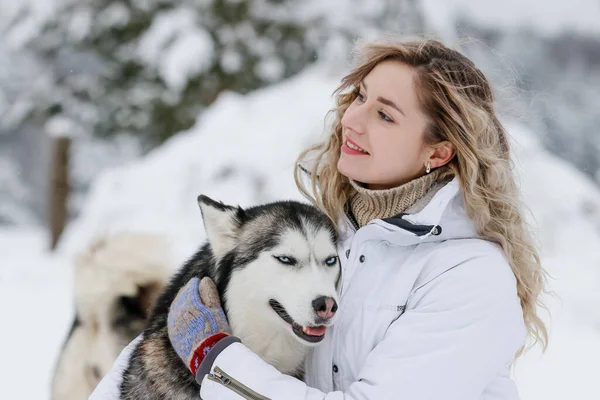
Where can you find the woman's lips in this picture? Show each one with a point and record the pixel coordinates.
(350, 147)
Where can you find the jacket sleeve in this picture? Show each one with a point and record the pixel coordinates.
(108, 388)
(459, 331)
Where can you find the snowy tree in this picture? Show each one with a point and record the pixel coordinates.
(22, 159)
(120, 72)
(149, 67)
(548, 82)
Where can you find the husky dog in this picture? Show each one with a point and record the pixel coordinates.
(117, 279)
(276, 269)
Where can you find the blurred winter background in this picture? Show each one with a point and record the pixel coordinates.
(116, 114)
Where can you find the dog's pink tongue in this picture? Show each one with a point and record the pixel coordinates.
(314, 331)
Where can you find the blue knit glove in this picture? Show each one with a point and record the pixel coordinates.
(196, 322)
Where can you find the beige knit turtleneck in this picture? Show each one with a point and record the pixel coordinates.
(367, 204)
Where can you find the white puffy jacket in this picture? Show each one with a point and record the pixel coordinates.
(428, 311)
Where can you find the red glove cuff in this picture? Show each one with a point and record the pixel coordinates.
(202, 350)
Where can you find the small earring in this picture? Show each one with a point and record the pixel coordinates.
(428, 170)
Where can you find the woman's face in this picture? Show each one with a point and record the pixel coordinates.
(383, 130)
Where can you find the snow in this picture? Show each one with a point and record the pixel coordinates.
(242, 152)
(115, 15)
(270, 69)
(30, 13)
(36, 307)
(61, 126)
(176, 46)
(80, 23)
(566, 206)
(14, 194)
(546, 17)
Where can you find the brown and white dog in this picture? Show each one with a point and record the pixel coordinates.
(116, 283)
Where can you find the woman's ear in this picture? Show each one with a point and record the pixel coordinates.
(440, 154)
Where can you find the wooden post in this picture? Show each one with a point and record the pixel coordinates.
(59, 188)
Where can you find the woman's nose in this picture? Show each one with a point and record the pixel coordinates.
(354, 119)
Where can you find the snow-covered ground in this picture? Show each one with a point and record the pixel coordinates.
(242, 152)
(566, 207)
(35, 307)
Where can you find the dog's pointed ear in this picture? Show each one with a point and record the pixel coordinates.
(222, 223)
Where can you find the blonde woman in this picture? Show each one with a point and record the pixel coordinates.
(440, 279)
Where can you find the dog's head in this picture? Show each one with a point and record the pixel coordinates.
(277, 267)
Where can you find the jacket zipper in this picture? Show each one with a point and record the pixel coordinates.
(351, 217)
(244, 391)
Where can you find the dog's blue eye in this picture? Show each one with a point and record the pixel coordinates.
(285, 260)
(331, 261)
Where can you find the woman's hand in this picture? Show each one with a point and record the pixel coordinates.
(196, 321)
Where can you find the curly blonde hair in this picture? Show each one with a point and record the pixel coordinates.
(459, 103)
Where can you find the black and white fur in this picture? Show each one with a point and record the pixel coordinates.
(281, 253)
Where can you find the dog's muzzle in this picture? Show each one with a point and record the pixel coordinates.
(311, 334)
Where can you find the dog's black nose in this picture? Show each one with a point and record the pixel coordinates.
(325, 307)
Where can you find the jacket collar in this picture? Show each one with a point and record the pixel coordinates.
(432, 219)
(437, 218)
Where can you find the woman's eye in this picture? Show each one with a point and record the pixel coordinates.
(331, 261)
(360, 97)
(385, 117)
